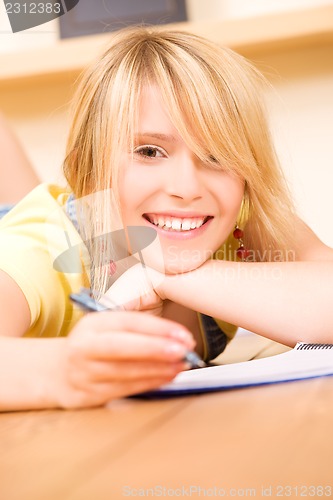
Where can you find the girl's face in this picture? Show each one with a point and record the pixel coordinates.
(164, 186)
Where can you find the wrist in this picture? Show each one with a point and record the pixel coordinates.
(53, 370)
(45, 393)
(184, 288)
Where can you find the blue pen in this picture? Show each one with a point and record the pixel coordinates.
(88, 303)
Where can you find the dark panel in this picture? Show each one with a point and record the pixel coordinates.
(27, 14)
(101, 16)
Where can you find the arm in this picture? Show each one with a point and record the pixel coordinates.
(287, 301)
(108, 355)
(17, 176)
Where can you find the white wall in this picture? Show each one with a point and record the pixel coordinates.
(302, 123)
(225, 9)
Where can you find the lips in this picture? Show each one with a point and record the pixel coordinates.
(172, 223)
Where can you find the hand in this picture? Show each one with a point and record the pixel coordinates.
(138, 289)
(116, 354)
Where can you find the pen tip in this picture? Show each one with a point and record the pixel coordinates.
(194, 360)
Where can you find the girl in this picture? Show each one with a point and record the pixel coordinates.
(169, 162)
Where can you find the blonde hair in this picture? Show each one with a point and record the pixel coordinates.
(214, 98)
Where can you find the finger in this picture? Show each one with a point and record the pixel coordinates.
(130, 371)
(138, 322)
(122, 346)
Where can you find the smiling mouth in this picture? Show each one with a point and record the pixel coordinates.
(180, 224)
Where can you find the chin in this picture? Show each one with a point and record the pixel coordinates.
(171, 259)
(171, 267)
(180, 270)
(177, 267)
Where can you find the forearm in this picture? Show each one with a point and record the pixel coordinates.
(106, 356)
(283, 301)
(28, 370)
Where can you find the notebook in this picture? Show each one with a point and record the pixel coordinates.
(303, 362)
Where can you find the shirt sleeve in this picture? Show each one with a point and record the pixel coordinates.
(32, 236)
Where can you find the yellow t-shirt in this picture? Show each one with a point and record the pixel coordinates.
(44, 254)
(32, 236)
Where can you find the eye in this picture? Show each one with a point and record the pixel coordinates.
(148, 152)
(212, 159)
(212, 162)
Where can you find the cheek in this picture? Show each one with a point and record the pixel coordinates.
(137, 185)
(229, 194)
(131, 193)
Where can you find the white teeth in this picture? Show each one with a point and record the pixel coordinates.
(177, 224)
(186, 225)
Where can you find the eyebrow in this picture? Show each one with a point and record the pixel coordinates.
(156, 135)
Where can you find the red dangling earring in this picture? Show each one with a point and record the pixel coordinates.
(241, 252)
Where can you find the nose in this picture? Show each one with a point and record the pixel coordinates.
(184, 178)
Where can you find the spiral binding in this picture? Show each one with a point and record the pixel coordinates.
(302, 347)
